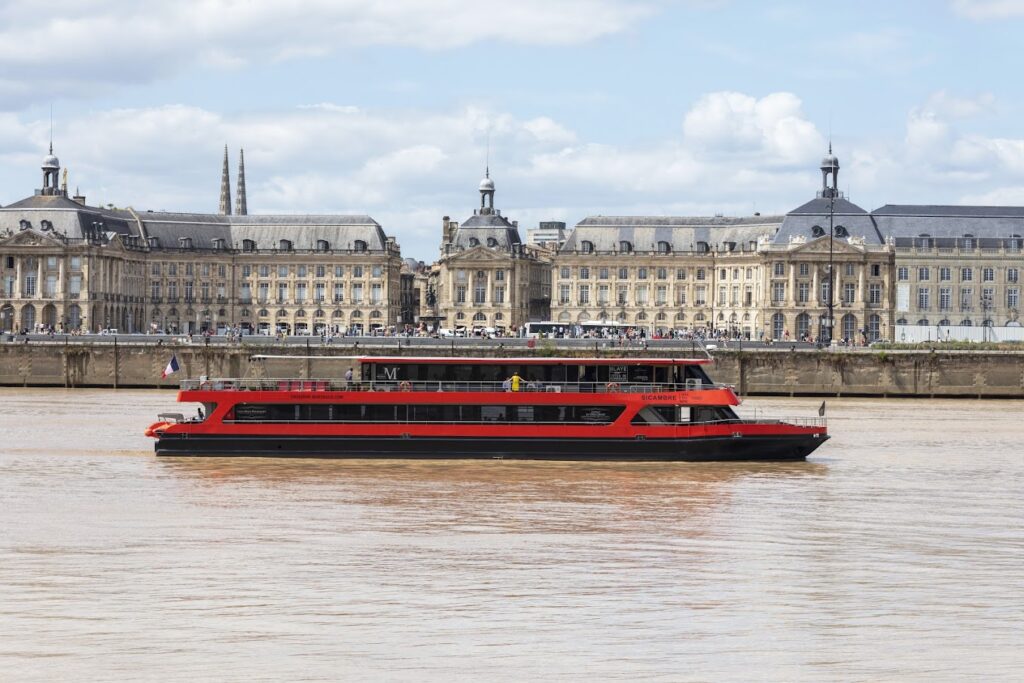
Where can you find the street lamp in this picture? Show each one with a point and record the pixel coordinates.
(986, 306)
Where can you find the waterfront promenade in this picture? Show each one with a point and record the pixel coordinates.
(787, 369)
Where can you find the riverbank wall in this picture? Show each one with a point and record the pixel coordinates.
(921, 374)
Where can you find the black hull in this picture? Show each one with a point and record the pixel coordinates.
(790, 447)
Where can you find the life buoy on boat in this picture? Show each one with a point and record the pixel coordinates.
(612, 387)
(404, 386)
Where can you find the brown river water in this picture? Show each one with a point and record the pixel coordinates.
(895, 553)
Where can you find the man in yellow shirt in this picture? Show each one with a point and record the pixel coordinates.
(516, 379)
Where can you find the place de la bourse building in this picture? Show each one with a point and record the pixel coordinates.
(70, 266)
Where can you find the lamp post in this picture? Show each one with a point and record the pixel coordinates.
(986, 306)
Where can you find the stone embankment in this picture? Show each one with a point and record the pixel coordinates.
(807, 372)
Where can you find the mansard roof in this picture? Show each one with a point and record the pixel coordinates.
(65, 217)
(801, 221)
(491, 230)
(985, 222)
(682, 233)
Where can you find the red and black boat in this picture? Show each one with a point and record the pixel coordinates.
(518, 408)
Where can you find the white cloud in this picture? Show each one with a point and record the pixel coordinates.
(983, 10)
(72, 48)
(772, 127)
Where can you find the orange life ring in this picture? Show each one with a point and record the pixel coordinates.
(612, 387)
(404, 386)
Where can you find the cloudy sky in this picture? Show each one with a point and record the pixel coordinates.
(386, 107)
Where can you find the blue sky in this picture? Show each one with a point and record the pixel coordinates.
(591, 106)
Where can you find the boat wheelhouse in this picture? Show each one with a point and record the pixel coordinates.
(524, 408)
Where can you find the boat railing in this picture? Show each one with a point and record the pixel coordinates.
(524, 386)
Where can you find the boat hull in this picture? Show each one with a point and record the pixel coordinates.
(759, 447)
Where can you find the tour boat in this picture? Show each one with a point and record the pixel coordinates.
(636, 409)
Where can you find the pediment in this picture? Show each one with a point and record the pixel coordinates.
(479, 254)
(821, 246)
(29, 238)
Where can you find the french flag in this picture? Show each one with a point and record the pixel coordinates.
(172, 367)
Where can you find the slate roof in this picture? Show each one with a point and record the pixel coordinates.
(682, 233)
(67, 217)
(480, 229)
(304, 231)
(983, 222)
(800, 221)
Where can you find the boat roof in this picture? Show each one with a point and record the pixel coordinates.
(467, 360)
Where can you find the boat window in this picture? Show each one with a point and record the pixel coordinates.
(403, 413)
(713, 414)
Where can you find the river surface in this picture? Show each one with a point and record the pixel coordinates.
(895, 553)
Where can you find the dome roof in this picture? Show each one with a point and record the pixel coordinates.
(487, 185)
(830, 161)
(51, 161)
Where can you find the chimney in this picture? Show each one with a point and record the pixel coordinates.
(80, 198)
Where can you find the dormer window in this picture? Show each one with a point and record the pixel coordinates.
(24, 224)
(626, 247)
(323, 245)
(218, 243)
(664, 247)
(359, 246)
(248, 245)
(492, 243)
(154, 242)
(185, 242)
(587, 247)
(46, 225)
(729, 246)
(968, 241)
(841, 231)
(817, 231)
(703, 247)
(474, 242)
(284, 245)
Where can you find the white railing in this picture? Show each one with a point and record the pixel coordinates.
(525, 386)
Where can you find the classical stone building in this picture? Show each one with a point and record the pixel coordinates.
(70, 266)
(956, 265)
(829, 230)
(663, 272)
(486, 277)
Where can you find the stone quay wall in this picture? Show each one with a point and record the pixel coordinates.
(976, 374)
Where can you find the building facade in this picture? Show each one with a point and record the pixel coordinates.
(486, 278)
(71, 267)
(663, 273)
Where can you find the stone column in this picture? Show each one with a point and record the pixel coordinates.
(39, 277)
(61, 285)
(17, 280)
(791, 291)
(815, 294)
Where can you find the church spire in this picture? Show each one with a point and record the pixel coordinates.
(240, 208)
(225, 187)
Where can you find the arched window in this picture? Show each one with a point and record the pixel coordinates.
(479, 318)
(626, 247)
(375, 314)
(778, 326)
(45, 225)
(492, 243)
(901, 321)
(359, 246)
(323, 245)
(641, 316)
(474, 242)
(922, 321)
(664, 247)
(661, 317)
(817, 231)
(24, 224)
(264, 313)
(841, 231)
(300, 313)
(966, 322)
(849, 326)
(284, 245)
(587, 247)
(248, 245)
(337, 314)
(874, 327)
(499, 316)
